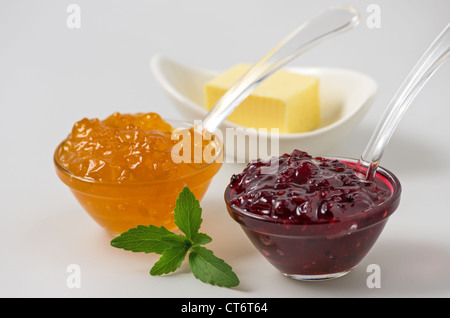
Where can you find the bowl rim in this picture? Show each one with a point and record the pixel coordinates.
(140, 183)
(392, 180)
(162, 79)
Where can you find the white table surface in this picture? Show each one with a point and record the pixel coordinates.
(52, 76)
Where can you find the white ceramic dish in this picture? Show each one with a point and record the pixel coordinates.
(345, 96)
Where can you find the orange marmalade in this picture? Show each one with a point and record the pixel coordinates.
(121, 169)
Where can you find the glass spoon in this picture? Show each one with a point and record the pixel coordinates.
(427, 65)
(332, 21)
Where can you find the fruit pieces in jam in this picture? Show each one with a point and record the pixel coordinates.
(314, 217)
(121, 170)
(122, 148)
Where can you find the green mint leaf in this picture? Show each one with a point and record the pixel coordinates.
(210, 269)
(177, 240)
(147, 239)
(200, 239)
(173, 247)
(187, 213)
(170, 260)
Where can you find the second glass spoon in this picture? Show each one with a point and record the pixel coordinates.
(427, 65)
(333, 21)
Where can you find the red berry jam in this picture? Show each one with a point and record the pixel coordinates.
(313, 217)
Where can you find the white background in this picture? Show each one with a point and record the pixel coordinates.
(52, 76)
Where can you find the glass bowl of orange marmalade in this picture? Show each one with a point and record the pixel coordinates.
(129, 169)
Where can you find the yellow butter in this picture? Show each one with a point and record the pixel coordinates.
(285, 100)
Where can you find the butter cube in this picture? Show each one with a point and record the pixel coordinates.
(285, 100)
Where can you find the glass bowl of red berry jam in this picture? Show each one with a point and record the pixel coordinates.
(311, 218)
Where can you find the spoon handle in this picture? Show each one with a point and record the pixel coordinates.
(331, 22)
(431, 60)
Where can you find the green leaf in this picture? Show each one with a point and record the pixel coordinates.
(175, 239)
(187, 213)
(170, 260)
(200, 239)
(173, 247)
(147, 239)
(210, 269)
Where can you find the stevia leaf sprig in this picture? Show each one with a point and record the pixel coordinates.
(174, 248)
